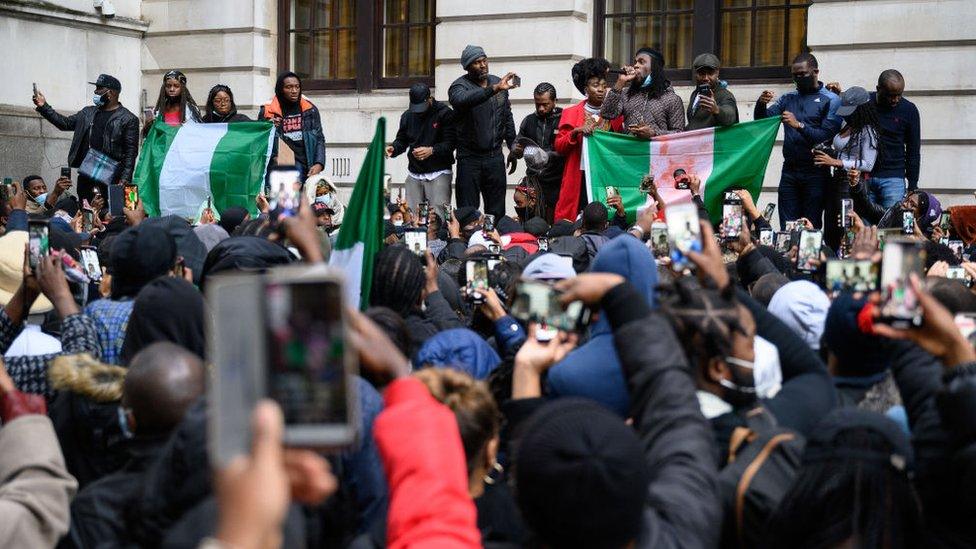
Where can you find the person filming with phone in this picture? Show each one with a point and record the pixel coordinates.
(483, 115)
(106, 137)
(645, 98)
(711, 103)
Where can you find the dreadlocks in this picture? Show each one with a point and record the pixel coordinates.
(398, 280)
(704, 319)
(532, 189)
(659, 84)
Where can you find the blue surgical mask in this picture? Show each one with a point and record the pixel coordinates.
(41, 198)
(99, 100)
(647, 81)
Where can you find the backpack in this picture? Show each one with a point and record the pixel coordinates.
(763, 460)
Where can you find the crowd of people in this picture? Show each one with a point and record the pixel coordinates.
(739, 397)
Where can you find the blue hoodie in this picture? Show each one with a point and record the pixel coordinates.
(593, 370)
(461, 349)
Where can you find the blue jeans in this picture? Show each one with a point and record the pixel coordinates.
(801, 194)
(886, 191)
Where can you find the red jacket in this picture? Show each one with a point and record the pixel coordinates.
(572, 149)
(426, 471)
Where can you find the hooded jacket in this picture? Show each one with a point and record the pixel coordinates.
(593, 369)
(313, 136)
(461, 349)
(431, 128)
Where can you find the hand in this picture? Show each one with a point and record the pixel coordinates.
(856, 223)
(765, 97)
(301, 231)
(98, 203)
(534, 358)
(76, 222)
(380, 360)
(430, 272)
(790, 120)
(747, 204)
(617, 204)
(821, 158)
(7, 385)
(518, 150)
(708, 103)
(207, 217)
(587, 287)
(917, 231)
(389, 151)
(18, 200)
(494, 236)
(853, 177)
(937, 234)
(252, 491)
(276, 120)
(804, 223)
(505, 83)
(709, 260)
(865, 243)
(834, 87)
(39, 99)
(512, 163)
(310, 477)
(62, 184)
(938, 334)
(422, 153)
(970, 269)
(642, 131)
(492, 308)
(315, 169)
(54, 284)
(262, 202)
(454, 227)
(647, 217)
(135, 217)
(30, 280)
(694, 184)
(743, 245)
(938, 269)
(629, 75)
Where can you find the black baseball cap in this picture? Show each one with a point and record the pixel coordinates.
(419, 94)
(107, 81)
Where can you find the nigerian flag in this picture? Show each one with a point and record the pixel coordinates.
(361, 234)
(180, 166)
(723, 158)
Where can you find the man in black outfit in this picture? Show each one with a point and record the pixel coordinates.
(541, 127)
(106, 126)
(483, 116)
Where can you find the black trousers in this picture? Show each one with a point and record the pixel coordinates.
(837, 190)
(484, 175)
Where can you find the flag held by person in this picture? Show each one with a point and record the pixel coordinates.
(732, 157)
(361, 234)
(180, 166)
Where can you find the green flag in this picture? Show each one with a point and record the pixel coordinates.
(361, 234)
(732, 157)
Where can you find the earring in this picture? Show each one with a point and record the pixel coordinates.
(496, 469)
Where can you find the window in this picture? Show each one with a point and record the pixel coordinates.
(357, 44)
(754, 38)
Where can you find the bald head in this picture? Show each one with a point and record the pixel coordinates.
(164, 379)
(891, 86)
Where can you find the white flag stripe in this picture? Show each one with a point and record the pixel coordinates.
(692, 155)
(350, 261)
(183, 185)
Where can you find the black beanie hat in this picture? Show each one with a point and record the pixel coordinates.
(580, 475)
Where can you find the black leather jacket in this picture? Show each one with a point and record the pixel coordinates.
(120, 142)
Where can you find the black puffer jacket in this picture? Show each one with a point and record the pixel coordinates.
(483, 117)
(120, 141)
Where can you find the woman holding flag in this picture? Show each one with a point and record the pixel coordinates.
(578, 121)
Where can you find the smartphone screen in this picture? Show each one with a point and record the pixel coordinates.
(87, 220)
(851, 275)
(286, 191)
(808, 253)
(659, 240)
(900, 259)
(956, 246)
(732, 218)
(416, 241)
(131, 197)
(846, 207)
(309, 365)
(538, 302)
(908, 223)
(684, 232)
(768, 212)
(116, 200)
(476, 274)
(966, 322)
(543, 244)
(423, 213)
(447, 212)
(39, 242)
(489, 224)
(944, 221)
(90, 264)
(611, 191)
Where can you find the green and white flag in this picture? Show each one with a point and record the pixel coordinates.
(180, 166)
(361, 234)
(723, 158)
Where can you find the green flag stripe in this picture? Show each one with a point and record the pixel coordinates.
(150, 165)
(239, 164)
(741, 153)
(621, 161)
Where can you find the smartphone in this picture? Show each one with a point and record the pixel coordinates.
(956, 246)
(782, 242)
(684, 233)
(538, 302)
(35, 88)
(731, 216)
(543, 244)
(958, 273)
(489, 224)
(116, 200)
(907, 223)
(846, 208)
(900, 259)
(148, 113)
(447, 213)
(516, 81)
(39, 241)
(766, 237)
(944, 221)
(87, 219)
(311, 367)
(180, 268)
(808, 253)
(90, 263)
(476, 275)
(790, 226)
(416, 241)
(680, 179)
(495, 249)
(704, 89)
(659, 239)
(423, 213)
(286, 191)
(132, 197)
(768, 212)
(66, 172)
(646, 184)
(851, 275)
(210, 203)
(611, 191)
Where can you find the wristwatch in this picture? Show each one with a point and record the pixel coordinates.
(640, 231)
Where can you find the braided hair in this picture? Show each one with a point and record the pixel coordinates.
(532, 190)
(398, 280)
(545, 88)
(864, 117)
(703, 318)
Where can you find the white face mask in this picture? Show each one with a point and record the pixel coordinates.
(397, 222)
(766, 372)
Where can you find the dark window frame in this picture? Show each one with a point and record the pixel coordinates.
(706, 26)
(369, 52)
(383, 82)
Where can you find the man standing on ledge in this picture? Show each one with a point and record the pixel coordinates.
(649, 105)
(483, 117)
(901, 142)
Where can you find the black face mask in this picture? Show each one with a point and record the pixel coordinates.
(524, 214)
(805, 83)
(740, 392)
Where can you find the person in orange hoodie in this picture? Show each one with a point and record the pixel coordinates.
(590, 78)
(298, 124)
